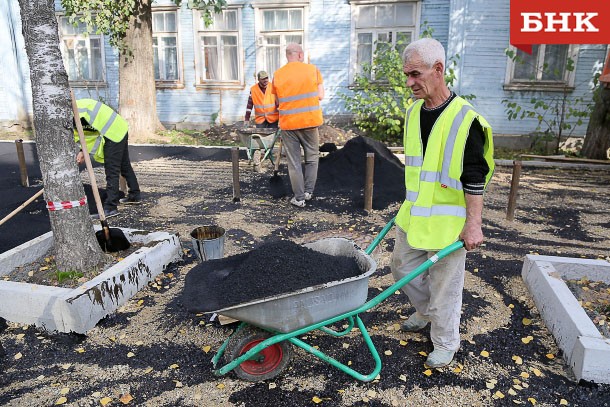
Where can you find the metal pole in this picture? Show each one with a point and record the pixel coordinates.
(235, 161)
(368, 183)
(23, 170)
(514, 191)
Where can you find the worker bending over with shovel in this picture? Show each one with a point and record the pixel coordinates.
(106, 137)
(448, 164)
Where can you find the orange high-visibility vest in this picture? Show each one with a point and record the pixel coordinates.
(264, 105)
(296, 87)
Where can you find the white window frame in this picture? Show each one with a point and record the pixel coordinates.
(82, 36)
(567, 83)
(200, 29)
(261, 34)
(169, 83)
(356, 5)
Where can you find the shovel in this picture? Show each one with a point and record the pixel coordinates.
(111, 240)
(20, 207)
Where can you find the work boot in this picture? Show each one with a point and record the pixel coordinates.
(130, 200)
(296, 202)
(414, 323)
(109, 213)
(440, 358)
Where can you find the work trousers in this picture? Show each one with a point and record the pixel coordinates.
(436, 294)
(117, 163)
(309, 139)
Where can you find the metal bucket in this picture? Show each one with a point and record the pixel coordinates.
(208, 242)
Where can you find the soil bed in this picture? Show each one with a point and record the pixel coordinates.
(594, 298)
(44, 271)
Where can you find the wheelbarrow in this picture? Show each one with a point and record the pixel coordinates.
(261, 346)
(257, 139)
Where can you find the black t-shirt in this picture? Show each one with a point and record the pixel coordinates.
(475, 166)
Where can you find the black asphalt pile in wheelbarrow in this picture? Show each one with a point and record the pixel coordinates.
(271, 269)
(344, 171)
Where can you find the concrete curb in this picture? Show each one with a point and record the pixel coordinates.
(80, 309)
(585, 350)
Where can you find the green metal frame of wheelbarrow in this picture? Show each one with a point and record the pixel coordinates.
(252, 354)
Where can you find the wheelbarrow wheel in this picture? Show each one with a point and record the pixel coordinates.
(265, 365)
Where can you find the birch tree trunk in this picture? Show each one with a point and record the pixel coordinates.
(76, 247)
(597, 140)
(137, 92)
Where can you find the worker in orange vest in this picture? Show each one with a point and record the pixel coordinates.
(263, 102)
(299, 89)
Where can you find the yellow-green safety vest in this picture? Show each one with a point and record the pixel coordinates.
(106, 122)
(434, 211)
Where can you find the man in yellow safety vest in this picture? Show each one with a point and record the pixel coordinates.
(106, 138)
(448, 165)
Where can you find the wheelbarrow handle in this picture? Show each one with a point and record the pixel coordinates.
(380, 237)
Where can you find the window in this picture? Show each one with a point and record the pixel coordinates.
(549, 67)
(81, 52)
(381, 25)
(219, 49)
(165, 47)
(279, 27)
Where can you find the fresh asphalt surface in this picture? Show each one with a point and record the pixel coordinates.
(33, 220)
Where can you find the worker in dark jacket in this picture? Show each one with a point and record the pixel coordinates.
(107, 139)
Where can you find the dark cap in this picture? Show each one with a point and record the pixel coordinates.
(263, 75)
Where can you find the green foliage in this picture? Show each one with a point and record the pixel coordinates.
(111, 17)
(68, 275)
(381, 96)
(556, 116)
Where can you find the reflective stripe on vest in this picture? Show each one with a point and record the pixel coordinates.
(103, 119)
(434, 210)
(299, 104)
(264, 105)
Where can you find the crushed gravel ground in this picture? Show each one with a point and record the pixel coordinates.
(154, 352)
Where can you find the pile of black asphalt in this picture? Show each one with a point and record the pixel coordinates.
(271, 269)
(342, 173)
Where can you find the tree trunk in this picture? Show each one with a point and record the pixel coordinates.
(76, 247)
(137, 92)
(597, 140)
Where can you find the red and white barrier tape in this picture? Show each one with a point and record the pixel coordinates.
(58, 206)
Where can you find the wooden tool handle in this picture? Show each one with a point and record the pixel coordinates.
(20, 207)
(83, 144)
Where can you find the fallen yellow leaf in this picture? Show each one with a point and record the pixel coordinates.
(140, 302)
(524, 375)
(537, 372)
(550, 356)
(43, 268)
(489, 385)
(80, 350)
(403, 343)
(345, 345)
(457, 369)
(148, 370)
(19, 336)
(563, 402)
(428, 372)
(387, 352)
(512, 392)
(174, 366)
(527, 339)
(64, 391)
(105, 401)
(272, 386)
(403, 377)
(207, 348)
(499, 394)
(316, 399)
(484, 353)
(517, 359)
(532, 400)
(125, 398)
(61, 400)
(220, 386)
(423, 353)
(526, 321)
(18, 356)
(131, 355)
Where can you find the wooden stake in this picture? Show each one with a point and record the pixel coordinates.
(368, 183)
(235, 161)
(23, 169)
(514, 191)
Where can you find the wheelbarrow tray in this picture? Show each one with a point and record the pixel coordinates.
(290, 311)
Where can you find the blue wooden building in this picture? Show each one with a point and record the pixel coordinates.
(203, 74)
